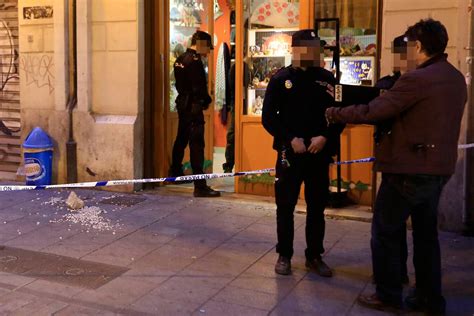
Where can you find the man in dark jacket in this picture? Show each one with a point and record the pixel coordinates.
(293, 113)
(193, 98)
(416, 160)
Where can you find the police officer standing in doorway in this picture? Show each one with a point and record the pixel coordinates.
(293, 113)
(193, 98)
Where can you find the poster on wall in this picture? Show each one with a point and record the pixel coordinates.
(38, 12)
(355, 70)
(275, 13)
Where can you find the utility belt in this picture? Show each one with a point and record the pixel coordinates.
(185, 103)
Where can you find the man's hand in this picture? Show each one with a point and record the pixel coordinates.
(317, 144)
(298, 145)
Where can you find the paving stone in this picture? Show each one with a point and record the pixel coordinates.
(14, 280)
(156, 305)
(120, 292)
(215, 308)
(324, 296)
(13, 301)
(250, 298)
(83, 311)
(47, 287)
(42, 306)
(186, 288)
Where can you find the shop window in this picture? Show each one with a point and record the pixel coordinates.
(270, 25)
(358, 37)
(186, 17)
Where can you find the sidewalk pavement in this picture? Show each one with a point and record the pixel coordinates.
(180, 255)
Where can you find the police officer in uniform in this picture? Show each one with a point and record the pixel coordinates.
(293, 113)
(193, 98)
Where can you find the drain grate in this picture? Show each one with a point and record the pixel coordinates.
(55, 268)
(124, 200)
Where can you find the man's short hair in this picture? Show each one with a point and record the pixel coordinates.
(431, 34)
(201, 36)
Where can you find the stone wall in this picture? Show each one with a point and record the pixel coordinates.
(108, 124)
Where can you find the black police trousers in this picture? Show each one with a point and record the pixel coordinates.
(313, 170)
(190, 130)
(401, 196)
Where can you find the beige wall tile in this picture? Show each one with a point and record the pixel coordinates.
(99, 37)
(31, 39)
(115, 83)
(114, 10)
(48, 32)
(122, 36)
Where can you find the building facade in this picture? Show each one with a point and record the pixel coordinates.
(123, 122)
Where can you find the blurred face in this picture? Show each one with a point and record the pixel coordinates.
(307, 56)
(413, 54)
(202, 47)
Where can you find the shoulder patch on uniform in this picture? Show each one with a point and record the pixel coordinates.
(288, 84)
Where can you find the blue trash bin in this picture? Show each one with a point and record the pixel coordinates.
(38, 152)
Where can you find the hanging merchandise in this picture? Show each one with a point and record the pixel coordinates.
(217, 10)
(222, 70)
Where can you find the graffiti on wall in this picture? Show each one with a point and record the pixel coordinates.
(39, 71)
(9, 56)
(8, 70)
(37, 13)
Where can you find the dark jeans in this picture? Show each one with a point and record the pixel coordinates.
(230, 145)
(313, 170)
(190, 130)
(400, 196)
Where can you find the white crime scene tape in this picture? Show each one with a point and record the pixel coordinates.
(4, 188)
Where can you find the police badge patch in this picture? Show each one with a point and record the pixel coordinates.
(288, 84)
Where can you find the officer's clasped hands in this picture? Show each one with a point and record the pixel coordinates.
(317, 144)
(298, 145)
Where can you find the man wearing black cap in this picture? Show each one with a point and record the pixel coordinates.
(293, 113)
(193, 98)
(401, 64)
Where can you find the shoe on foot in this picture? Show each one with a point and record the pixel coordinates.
(227, 168)
(206, 192)
(283, 266)
(373, 302)
(320, 267)
(415, 301)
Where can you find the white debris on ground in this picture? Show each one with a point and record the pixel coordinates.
(74, 202)
(53, 201)
(90, 217)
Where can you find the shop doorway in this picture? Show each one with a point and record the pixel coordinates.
(169, 27)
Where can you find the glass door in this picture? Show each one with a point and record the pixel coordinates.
(185, 18)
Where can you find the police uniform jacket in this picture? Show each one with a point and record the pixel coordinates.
(191, 83)
(294, 106)
(427, 105)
